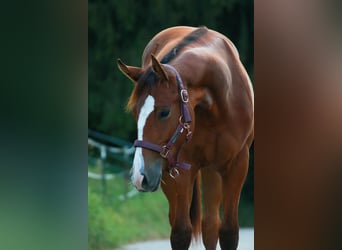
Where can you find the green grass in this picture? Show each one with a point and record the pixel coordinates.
(146, 217)
(113, 222)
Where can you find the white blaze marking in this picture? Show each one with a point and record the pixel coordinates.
(138, 161)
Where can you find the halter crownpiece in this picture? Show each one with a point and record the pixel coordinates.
(183, 125)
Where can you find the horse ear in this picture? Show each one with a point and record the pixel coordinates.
(131, 72)
(158, 68)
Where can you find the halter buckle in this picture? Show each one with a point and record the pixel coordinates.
(165, 151)
(173, 173)
(184, 95)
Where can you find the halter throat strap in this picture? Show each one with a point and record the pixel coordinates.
(183, 92)
(183, 125)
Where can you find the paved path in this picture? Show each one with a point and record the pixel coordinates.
(246, 242)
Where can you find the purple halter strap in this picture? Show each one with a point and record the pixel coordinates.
(184, 125)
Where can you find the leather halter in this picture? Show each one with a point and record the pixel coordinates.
(183, 125)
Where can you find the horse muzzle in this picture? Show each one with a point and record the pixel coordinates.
(149, 178)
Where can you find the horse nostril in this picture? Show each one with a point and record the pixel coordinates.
(144, 183)
(149, 186)
(150, 177)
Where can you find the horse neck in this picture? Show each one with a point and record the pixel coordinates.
(206, 87)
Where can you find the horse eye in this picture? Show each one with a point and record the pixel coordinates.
(163, 114)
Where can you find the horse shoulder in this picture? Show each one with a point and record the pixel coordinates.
(226, 90)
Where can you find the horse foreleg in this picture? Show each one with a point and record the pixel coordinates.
(181, 229)
(232, 183)
(212, 185)
(179, 194)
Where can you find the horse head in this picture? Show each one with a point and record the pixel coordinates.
(159, 103)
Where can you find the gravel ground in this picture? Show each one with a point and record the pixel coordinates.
(246, 242)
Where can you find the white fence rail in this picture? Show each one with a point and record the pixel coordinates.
(126, 151)
(104, 151)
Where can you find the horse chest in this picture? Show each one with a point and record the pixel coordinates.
(211, 147)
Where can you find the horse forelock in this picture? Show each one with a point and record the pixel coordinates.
(144, 85)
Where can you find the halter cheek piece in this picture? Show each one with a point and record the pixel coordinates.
(183, 125)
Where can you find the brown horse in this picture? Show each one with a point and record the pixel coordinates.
(194, 106)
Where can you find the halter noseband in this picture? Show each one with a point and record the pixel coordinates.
(184, 124)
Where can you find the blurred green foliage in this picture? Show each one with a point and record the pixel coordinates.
(113, 222)
(101, 223)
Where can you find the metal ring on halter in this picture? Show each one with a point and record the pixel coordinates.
(173, 173)
(180, 119)
(184, 95)
(185, 125)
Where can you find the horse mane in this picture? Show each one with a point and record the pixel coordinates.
(190, 38)
(149, 78)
